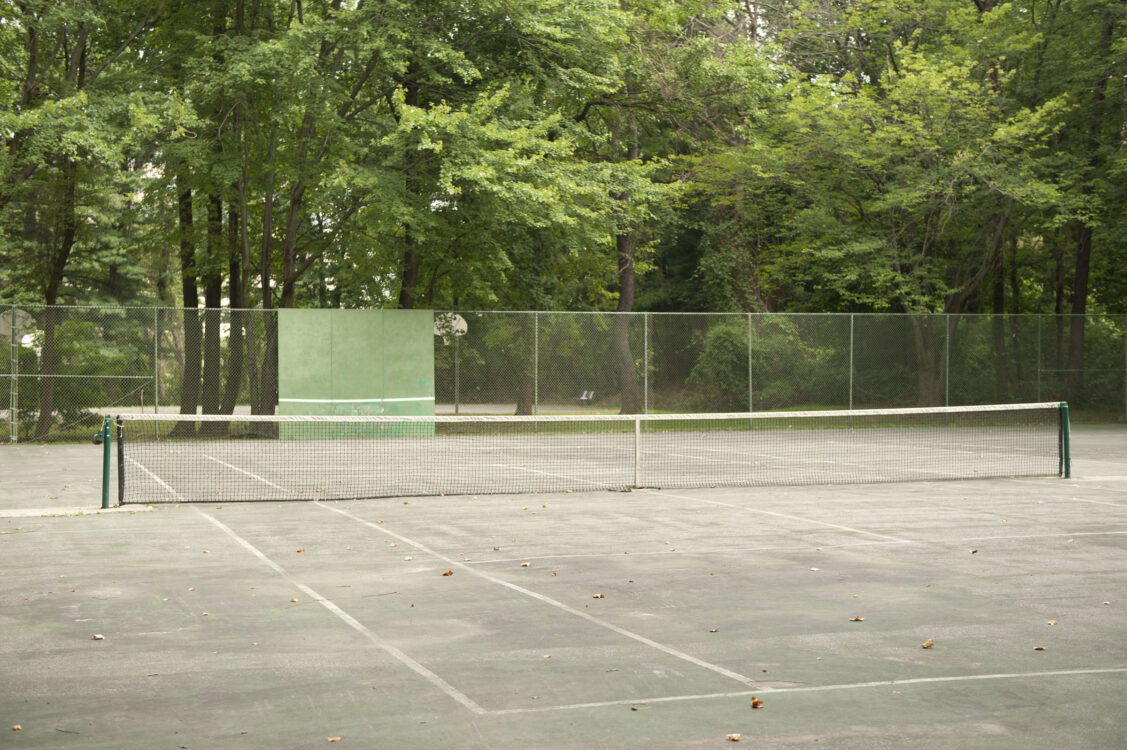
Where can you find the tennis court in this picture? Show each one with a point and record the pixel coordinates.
(569, 619)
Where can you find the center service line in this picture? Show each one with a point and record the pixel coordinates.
(351, 621)
(550, 601)
(784, 515)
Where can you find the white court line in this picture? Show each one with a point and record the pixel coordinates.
(353, 400)
(352, 622)
(550, 474)
(157, 479)
(784, 515)
(815, 689)
(244, 471)
(668, 650)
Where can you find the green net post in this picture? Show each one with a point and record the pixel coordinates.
(1065, 450)
(104, 438)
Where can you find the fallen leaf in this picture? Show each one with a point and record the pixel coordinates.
(554, 572)
(714, 630)
(97, 637)
(408, 558)
(394, 544)
(1052, 622)
(599, 596)
(525, 564)
(448, 573)
(1038, 648)
(292, 599)
(334, 739)
(204, 614)
(301, 550)
(733, 738)
(756, 703)
(928, 643)
(858, 618)
(17, 727)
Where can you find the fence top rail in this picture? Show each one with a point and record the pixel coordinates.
(160, 308)
(546, 418)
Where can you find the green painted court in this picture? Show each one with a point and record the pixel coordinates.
(571, 620)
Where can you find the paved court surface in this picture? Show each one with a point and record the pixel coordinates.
(572, 620)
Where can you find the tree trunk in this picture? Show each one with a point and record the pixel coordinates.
(58, 264)
(631, 390)
(998, 323)
(193, 333)
(213, 301)
(526, 388)
(930, 334)
(268, 372)
(409, 276)
(237, 294)
(626, 244)
(409, 271)
(1079, 311)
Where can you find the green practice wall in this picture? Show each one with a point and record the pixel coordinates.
(356, 362)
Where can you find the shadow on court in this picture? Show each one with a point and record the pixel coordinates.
(610, 620)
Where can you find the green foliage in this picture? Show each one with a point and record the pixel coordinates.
(806, 155)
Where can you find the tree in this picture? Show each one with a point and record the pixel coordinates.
(78, 111)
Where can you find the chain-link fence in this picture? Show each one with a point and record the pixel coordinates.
(687, 362)
(63, 366)
(66, 365)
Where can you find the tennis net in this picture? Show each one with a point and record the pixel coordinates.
(208, 458)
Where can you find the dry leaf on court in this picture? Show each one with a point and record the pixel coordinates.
(928, 643)
(301, 550)
(448, 573)
(733, 738)
(1052, 622)
(1038, 648)
(599, 596)
(97, 637)
(756, 703)
(525, 564)
(858, 618)
(17, 727)
(334, 739)
(293, 599)
(714, 630)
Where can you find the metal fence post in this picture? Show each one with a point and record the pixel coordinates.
(851, 316)
(750, 381)
(1038, 357)
(156, 361)
(645, 363)
(947, 361)
(536, 362)
(13, 393)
